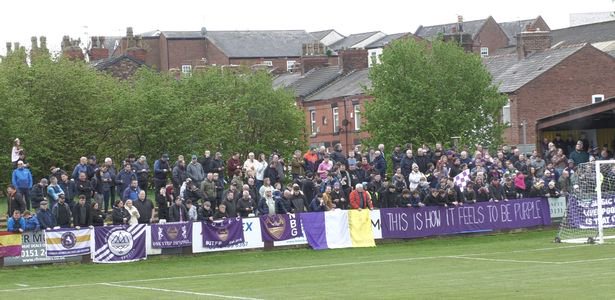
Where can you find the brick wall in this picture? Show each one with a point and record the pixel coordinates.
(353, 59)
(324, 120)
(214, 55)
(185, 52)
(532, 41)
(491, 36)
(568, 85)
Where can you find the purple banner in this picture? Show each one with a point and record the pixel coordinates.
(117, 244)
(583, 213)
(315, 231)
(223, 233)
(401, 223)
(172, 235)
(280, 227)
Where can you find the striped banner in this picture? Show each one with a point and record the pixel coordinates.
(68, 242)
(118, 244)
(10, 244)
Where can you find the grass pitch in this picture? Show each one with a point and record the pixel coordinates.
(503, 266)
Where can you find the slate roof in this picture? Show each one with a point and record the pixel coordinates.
(347, 85)
(513, 28)
(319, 35)
(472, 27)
(351, 40)
(284, 80)
(387, 39)
(274, 43)
(511, 74)
(589, 33)
(105, 63)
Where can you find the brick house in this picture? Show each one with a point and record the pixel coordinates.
(541, 80)
(185, 50)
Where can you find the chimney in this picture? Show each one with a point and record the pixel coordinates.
(71, 49)
(460, 23)
(97, 50)
(313, 56)
(532, 40)
(34, 41)
(463, 39)
(353, 59)
(43, 42)
(136, 51)
(9, 47)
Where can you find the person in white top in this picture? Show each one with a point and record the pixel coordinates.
(134, 213)
(414, 178)
(15, 151)
(260, 170)
(250, 164)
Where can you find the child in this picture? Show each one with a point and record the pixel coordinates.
(520, 184)
(205, 213)
(192, 215)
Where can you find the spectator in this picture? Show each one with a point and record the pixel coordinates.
(414, 177)
(62, 213)
(54, 190)
(538, 189)
(205, 161)
(250, 165)
(145, 208)
(179, 175)
(15, 200)
(390, 197)
(142, 170)
(132, 191)
(337, 196)
(22, 180)
(510, 191)
(230, 202)
(120, 215)
(266, 205)
(97, 217)
(233, 164)
(260, 171)
(45, 217)
(360, 199)
(297, 167)
(218, 167)
(406, 163)
(283, 204)
(205, 213)
(112, 173)
(318, 204)
(84, 186)
(298, 203)
(192, 211)
(245, 205)
(17, 148)
(103, 187)
(69, 188)
(579, 155)
(92, 167)
(271, 173)
(39, 193)
(133, 211)
(81, 213)
(161, 172)
(31, 222)
(337, 156)
(469, 194)
(379, 164)
(325, 167)
(396, 157)
(178, 212)
(496, 191)
(162, 201)
(81, 167)
(16, 223)
(564, 183)
(194, 171)
(221, 212)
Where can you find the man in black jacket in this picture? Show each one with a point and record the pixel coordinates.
(62, 213)
(178, 212)
(39, 193)
(81, 213)
(145, 208)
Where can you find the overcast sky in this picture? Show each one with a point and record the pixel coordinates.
(19, 20)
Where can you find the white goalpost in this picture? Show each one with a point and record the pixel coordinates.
(590, 207)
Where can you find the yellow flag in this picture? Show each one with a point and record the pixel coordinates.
(360, 224)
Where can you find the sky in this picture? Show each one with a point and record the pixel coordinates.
(20, 20)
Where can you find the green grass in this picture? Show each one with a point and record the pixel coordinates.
(523, 265)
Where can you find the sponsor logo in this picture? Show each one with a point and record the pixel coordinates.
(275, 225)
(120, 242)
(68, 240)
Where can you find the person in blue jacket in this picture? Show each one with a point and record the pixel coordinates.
(16, 223)
(31, 221)
(22, 180)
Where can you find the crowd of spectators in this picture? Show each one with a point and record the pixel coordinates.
(209, 187)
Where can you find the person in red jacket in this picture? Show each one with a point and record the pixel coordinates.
(359, 198)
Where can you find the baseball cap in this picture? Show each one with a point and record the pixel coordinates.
(43, 202)
(165, 156)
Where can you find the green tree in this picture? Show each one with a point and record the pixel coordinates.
(427, 93)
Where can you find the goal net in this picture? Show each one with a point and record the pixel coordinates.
(590, 207)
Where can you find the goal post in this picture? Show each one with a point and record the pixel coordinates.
(590, 206)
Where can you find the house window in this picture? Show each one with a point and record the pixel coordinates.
(484, 51)
(290, 64)
(336, 120)
(268, 63)
(357, 117)
(186, 69)
(313, 127)
(506, 113)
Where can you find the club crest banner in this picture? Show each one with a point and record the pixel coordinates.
(171, 235)
(280, 227)
(118, 244)
(222, 233)
(68, 242)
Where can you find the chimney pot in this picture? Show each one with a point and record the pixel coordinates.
(43, 41)
(9, 46)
